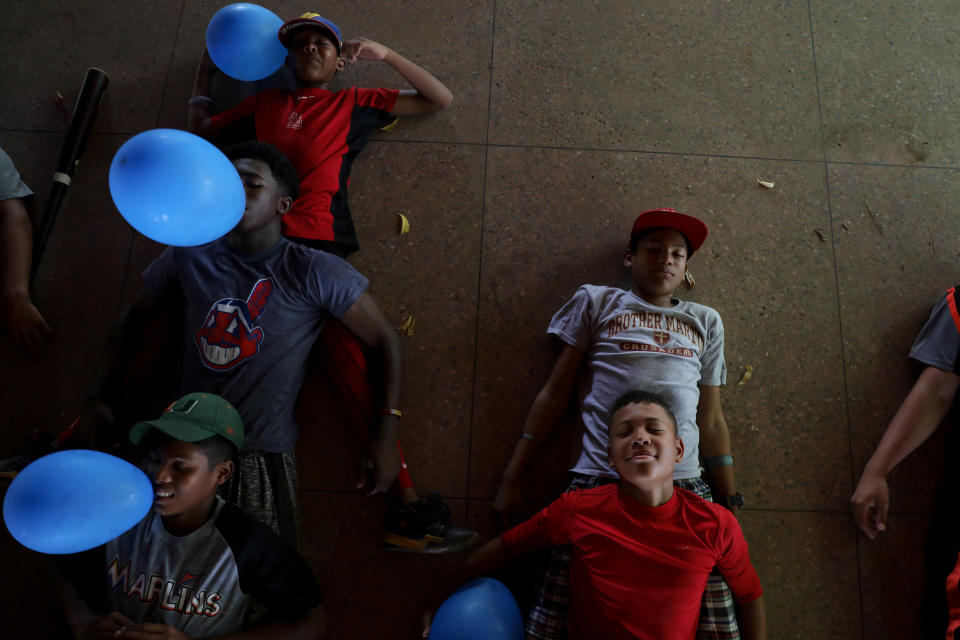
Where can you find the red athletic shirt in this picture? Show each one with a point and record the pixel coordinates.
(321, 132)
(639, 571)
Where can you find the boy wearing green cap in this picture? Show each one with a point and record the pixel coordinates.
(195, 566)
(613, 340)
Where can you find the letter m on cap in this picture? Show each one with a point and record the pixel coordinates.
(186, 406)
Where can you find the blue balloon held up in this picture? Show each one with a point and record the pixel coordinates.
(71, 501)
(242, 41)
(481, 609)
(176, 188)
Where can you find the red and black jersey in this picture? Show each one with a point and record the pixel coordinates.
(321, 132)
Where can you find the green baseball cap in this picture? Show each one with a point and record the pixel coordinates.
(195, 417)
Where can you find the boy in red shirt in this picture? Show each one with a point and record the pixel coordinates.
(321, 132)
(643, 549)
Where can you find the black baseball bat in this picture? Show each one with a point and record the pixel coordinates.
(81, 124)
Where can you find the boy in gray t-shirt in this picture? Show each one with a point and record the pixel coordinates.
(616, 340)
(937, 350)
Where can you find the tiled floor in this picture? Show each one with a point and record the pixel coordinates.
(569, 118)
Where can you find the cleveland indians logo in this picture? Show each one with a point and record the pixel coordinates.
(661, 337)
(228, 335)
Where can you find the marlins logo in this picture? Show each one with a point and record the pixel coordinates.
(228, 335)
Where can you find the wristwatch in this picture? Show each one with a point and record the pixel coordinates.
(736, 500)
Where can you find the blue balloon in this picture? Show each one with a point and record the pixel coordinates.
(481, 609)
(176, 188)
(243, 43)
(75, 500)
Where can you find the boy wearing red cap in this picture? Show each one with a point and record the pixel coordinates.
(619, 340)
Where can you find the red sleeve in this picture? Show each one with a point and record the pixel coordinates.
(734, 561)
(550, 527)
(382, 99)
(230, 116)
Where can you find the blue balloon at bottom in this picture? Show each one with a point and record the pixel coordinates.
(75, 500)
(480, 610)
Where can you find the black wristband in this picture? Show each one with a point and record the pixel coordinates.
(736, 500)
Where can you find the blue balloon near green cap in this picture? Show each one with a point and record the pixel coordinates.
(242, 41)
(71, 501)
(479, 610)
(176, 188)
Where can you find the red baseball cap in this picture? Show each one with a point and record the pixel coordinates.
(693, 229)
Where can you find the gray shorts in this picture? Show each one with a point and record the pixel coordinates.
(265, 486)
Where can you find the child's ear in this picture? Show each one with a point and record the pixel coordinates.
(224, 471)
(628, 258)
(284, 205)
(680, 449)
(341, 64)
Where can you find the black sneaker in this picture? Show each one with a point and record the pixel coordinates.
(424, 527)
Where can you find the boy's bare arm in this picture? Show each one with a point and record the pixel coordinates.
(715, 441)
(752, 619)
(119, 349)
(75, 610)
(915, 420)
(431, 94)
(20, 317)
(548, 407)
(83, 622)
(368, 323)
(198, 111)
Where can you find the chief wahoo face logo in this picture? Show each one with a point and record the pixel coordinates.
(228, 335)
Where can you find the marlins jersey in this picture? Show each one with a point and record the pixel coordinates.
(631, 344)
(321, 132)
(204, 584)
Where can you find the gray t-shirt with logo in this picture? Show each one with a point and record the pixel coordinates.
(631, 344)
(11, 186)
(249, 323)
(205, 584)
(938, 343)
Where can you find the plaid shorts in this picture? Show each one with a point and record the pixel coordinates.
(264, 485)
(548, 616)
